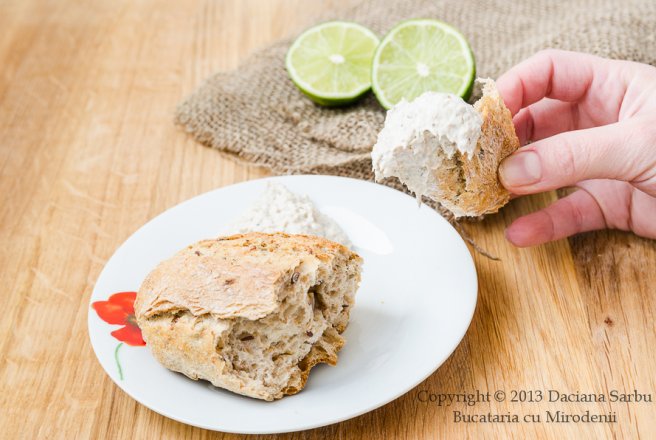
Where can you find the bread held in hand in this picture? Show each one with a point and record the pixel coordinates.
(449, 151)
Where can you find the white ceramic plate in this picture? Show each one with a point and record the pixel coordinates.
(415, 303)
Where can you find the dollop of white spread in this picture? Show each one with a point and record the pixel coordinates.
(280, 210)
(418, 135)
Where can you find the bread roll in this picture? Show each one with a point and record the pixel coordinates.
(251, 313)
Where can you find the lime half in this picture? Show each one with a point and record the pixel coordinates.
(331, 62)
(419, 56)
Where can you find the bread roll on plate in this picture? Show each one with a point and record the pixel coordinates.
(251, 313)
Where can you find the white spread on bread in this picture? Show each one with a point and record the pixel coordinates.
(280, 210)
(419, 134)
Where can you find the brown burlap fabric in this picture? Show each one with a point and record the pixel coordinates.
(256, 114)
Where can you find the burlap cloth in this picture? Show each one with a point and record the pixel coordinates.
(257, 115)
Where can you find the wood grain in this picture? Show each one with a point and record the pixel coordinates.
(88, 153)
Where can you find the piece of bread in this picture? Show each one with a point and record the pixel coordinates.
(251, 313)
(443, 148)
(479, 190)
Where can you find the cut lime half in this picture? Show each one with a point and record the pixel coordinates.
(422, 55)
(331, 62)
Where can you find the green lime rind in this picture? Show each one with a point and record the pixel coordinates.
(421, 55)
(331, 62)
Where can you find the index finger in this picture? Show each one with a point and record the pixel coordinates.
(557, 74)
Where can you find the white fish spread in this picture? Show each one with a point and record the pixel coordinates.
(280, 210)
(418, 135)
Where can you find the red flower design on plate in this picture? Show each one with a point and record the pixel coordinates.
(119, 310)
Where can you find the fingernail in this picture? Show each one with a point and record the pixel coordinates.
(521, 169)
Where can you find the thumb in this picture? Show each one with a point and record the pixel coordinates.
(621, 151)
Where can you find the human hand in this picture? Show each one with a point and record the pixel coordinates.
(593, 126)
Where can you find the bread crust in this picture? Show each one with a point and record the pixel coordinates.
(229, 277)
(469, 184)
(189, 303)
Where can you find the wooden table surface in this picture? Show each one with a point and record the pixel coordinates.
(89, 153)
